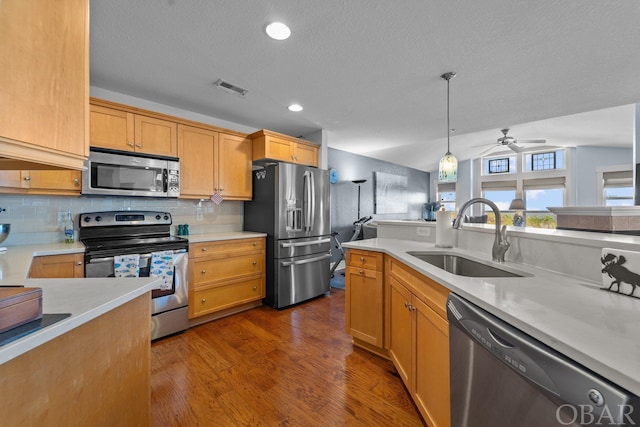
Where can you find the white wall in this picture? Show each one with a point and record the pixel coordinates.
(587, 160)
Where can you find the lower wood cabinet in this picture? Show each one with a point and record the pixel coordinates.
(418, 339)
(57, 266)
(364, 299)
(225, 275)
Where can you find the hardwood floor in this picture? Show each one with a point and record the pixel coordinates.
(267, 367)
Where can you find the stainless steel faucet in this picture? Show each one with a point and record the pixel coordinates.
(500, 243)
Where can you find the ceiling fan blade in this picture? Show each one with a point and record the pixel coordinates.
(532, 141)
(515, 148)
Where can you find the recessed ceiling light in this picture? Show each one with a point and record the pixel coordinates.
(295, 107)
(278, 31)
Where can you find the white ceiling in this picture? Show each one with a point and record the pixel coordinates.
(368, 72)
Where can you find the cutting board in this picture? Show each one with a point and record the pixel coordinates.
(19, 306)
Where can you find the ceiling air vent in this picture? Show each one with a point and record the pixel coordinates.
(231, 88)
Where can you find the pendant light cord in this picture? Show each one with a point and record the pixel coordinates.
(448, 76)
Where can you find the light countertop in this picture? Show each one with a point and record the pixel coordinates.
(84, 299)
(598, 329)
(231, 235)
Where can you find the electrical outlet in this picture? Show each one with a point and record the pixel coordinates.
(423, 231)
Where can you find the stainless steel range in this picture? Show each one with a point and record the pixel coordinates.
(139, 244)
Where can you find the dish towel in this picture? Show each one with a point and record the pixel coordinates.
(126, 265)
(162, 266)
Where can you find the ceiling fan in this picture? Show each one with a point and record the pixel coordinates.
(512, 143)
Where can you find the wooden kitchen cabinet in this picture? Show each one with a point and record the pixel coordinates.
(277, 146)
(53, 182)
(213, 161)
(44, 83)
(364, 310)
(127, 131)
(57, 266)
(225, 277)
(418, 339)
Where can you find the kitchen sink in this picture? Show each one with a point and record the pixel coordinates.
(463, 266)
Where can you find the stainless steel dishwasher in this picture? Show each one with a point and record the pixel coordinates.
(502, 377)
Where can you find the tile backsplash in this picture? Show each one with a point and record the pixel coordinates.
(34, 219)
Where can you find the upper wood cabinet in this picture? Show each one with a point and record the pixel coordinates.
(44, 83)
(213, 161)
(54, 182)
(126, 131)
(277, 146)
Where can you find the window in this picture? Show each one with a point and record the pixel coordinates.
(618, 188)
(499, 165)
(548, 160)
(447, 195)
(540, 194)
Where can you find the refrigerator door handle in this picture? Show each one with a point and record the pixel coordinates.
(305, 261)
(309, 201)
(296, 244)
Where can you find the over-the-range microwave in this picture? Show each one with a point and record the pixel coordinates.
(120, 173)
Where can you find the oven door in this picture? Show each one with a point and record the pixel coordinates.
(162, 300)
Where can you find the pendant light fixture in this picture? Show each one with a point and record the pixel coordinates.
(448, 170)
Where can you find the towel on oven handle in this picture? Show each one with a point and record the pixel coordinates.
(126, 265)
(162, 266)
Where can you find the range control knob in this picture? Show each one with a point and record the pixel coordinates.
(157, 217)
(98, 218)
(87, 219)
(166, 217)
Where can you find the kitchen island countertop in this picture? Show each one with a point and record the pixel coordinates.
(596, 328)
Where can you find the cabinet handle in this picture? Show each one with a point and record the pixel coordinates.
(203, 272)
(254, 262)
(204, 249)
(255, 288)
(130, 144)
(255, 243)
(204, 300)
(221, 189)
(139, 145)
(362, 258)
(76, 182)
(79, 263)
(361, 271)
(27, 178)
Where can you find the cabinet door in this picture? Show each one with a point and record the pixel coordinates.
(278, 149)
(400, 330)
(111, 128)
(62, 180)
(44, 82)
(306, 155)
(12, 179)
(431, 375)
(234, 167)
(364, 310)
(195, 149)
(57, 266)
(156, 136)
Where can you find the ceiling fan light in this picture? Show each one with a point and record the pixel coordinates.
(448, 170)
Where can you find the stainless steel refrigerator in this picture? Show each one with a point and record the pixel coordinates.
(291, 204)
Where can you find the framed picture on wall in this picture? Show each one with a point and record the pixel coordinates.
(390, 193)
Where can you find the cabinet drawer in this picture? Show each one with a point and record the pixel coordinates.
(430, 292)
(365, 259)
(221, 297)
(228, 268)
(225, 248)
